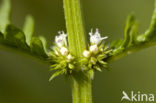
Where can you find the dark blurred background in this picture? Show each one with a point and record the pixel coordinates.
(23, 80)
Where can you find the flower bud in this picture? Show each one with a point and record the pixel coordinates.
(70, 57)
(94, 48)
(64, 51)
(86, 54)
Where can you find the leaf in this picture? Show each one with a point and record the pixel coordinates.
(150, 34)
(29, 29)
(38, 47)
(5, 15)
(44, 43)
(15, 38)
(131, 32)
(56, 74)
(130, 39)
(134, 42)
(20, 40)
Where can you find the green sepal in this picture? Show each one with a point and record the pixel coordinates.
(101, 56)
(57, 73)
(97, 68)
(102, 62)
(93, 60)
(84, 61)
(55, 67)
(90, 65)
(71, 66)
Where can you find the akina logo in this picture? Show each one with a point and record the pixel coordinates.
(137, 97)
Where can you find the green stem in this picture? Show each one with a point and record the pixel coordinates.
(81, 82)
(81, 88)
(75, 27)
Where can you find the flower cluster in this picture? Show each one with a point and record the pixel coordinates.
(93, 59)
(98, 51)
(61, 59)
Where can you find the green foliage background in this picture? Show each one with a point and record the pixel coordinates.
(23, 80)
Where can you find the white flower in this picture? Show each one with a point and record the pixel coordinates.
(70, 57)
(86, 54)
(96, 37)
(61, 39)
(64, 51)
(94, 48)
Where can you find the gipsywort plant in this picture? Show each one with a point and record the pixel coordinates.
(71, 54)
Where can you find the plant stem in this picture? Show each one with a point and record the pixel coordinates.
(81, 82)
(75, 27)
(82, 89)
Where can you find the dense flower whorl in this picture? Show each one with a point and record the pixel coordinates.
(63, 62)
(98, 51)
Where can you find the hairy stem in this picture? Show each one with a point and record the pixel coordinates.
(81, 82)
